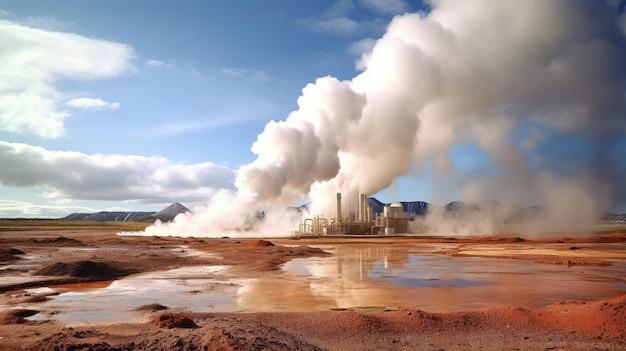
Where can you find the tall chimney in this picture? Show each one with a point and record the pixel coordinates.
(362, 208)
(339, 214)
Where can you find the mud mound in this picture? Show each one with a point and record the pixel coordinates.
(259, 243)
(11, 254)
(174, 320)
(16, 316)
(82, 269)
(61, 240)
(153, 307)
(247, 336)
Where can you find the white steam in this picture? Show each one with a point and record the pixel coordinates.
(480, 72)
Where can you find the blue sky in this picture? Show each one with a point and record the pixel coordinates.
(137, 104)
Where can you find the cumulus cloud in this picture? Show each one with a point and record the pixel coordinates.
(92, 104)
(78, 176)
(29, 99)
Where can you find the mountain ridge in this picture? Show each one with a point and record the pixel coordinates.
(165, 215)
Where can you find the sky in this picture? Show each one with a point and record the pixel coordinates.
(134, 105)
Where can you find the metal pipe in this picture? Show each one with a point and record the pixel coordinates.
(305, 227)
(376, 226)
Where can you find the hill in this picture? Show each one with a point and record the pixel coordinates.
(165, 215)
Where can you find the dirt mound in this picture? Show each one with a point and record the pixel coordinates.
(16, 316)
(82, 269)
(14, 251)
(259, 243)
(174, 320)
(231, 335)
(61, 240)
(153, 307)
(11, 254)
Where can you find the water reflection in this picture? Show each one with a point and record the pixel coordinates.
(396, 278)
(354, 277)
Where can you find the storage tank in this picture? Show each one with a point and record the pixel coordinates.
(394, 210)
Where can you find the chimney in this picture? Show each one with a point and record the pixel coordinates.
(362, 208)
(339, 214)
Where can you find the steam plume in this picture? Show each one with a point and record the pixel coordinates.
(514, 78)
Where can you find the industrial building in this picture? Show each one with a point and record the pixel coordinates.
(364, 221)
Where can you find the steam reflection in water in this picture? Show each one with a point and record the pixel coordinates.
(395, 278)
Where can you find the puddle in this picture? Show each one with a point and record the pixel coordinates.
(355, 277)
(190, 288)
(364, 277)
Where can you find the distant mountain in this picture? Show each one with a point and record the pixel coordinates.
(165, 215)
(418, 208)
(110, 216)
(612, 217)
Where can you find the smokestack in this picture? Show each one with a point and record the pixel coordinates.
(362, 207)
(339, 214)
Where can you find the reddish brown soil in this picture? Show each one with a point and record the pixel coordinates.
(259, 243)
(567, 325)
(174, 320)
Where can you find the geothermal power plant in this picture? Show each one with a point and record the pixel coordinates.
(363, 221)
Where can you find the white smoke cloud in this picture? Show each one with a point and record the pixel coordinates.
(33, 60)
(362, 46)
(467, 72)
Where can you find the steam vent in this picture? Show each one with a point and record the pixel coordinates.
(362, 222)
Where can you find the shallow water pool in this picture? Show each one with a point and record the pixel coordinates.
(356, 277)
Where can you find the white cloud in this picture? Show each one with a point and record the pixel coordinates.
(334, 25)
(254, 74)
(387, 7)
(78, 176)
(23, 209)
(159, 63)
(92, 104)
(340, 8)
(33, 60)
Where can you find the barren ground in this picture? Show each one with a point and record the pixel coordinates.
(565, 325)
